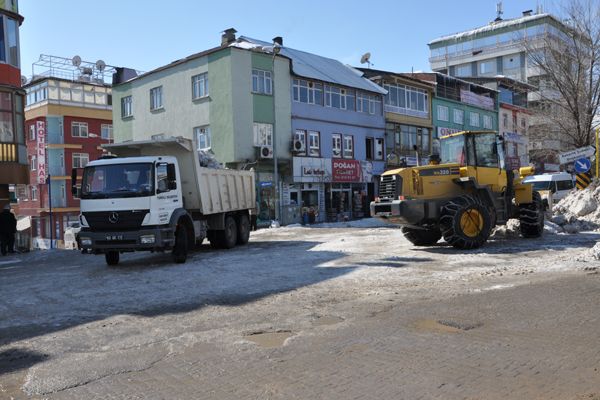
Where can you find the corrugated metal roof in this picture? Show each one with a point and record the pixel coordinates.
(312, 66)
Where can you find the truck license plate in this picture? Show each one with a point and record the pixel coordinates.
(114, 237)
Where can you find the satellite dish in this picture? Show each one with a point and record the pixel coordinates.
(366, 58)
(76, 61)
(23, 80)
(100, 65)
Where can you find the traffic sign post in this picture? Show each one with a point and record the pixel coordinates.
(582, 165)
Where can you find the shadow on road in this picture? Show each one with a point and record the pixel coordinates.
(17, 358)
(67, 289)
(511, 245)
(393, 262)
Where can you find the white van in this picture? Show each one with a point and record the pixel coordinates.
(552, 187)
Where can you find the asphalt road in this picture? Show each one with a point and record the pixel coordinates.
(306, 313)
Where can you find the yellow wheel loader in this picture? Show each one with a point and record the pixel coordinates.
(463, 197)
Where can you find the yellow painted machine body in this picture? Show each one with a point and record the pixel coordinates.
(414, 195)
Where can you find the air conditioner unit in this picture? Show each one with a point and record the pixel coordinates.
(298, 146)
(266, 152)
(337, 152)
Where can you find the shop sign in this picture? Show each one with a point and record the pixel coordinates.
(513, 163)
(442, 131)
(311, 169)
(41, 151)
(514, 138)
(346, 170)
(476, 100)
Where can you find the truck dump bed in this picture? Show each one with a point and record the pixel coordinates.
(207, 190)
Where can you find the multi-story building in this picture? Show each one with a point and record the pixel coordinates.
(408, 116)
(13, 153)
(459, 105)
(513, 117)
(502, 48)
(250, 103)
(68, 117)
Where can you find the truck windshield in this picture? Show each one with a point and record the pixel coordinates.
(117, 180)
(453, 150)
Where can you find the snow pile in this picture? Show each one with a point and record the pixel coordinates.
(208, 159)
(511, 229)
(594, 252)
(578, 211)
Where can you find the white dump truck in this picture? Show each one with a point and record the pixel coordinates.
(155, 196)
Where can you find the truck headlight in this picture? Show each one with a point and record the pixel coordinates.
(147, 239)
(85, 241)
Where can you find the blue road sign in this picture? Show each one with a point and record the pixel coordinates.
(583, 165)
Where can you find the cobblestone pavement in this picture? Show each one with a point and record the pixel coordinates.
(376, 332)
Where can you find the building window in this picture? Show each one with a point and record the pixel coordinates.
(487, 67)
(199, 86)
(463, 70)
(474, 119)
(369, 148)
(366, 103)
(487, 122)
(33, 192)
(459, 116)
(33, 163)
(300, 136)
(6, 117)
(261, 82)
(202, 134)
(32, 135)
(307, 92)
(37, 93)
(348, 146)
(263, 134)
(336, 145)
(407, 100)
(314, 144)
(106, 131)
(379, 149)
(79, 129)
(126, 107)
(505, 120)
(9, 44)
(156, 98)
(442, 113)
(22, 194)
(336, 97)
(80, 160)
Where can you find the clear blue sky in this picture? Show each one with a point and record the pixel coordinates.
(147, 34)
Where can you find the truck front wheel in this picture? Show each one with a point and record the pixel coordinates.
(180, 249)
(465, 222)
(112, 257)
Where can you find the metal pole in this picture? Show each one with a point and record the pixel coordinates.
(275, 172)
(50, 208)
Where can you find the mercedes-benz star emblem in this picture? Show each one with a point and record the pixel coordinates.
(113, 217)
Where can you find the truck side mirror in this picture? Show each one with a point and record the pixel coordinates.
(171, 177)
(75, 191)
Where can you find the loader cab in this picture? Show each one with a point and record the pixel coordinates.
(480, 155)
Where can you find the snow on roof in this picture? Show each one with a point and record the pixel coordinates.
(491, 27)
(317, 67)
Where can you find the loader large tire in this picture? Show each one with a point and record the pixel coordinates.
(422, 237)
(465, 222)
(531, 217)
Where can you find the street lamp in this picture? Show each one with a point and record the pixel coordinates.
(276, 50)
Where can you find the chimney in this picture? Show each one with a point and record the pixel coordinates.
(228, 36)
(278, 40)
(527, 13)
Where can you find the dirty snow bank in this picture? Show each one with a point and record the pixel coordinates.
(578, 211)
(513, 229)
(359, 223)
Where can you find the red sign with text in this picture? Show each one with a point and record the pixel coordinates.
(41, 151)
(345, 170)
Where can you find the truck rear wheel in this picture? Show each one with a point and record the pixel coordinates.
(422, 237)
(531, 217)
(465, 222)
(180, 249)
(243, 233)
(227, 238)
(112, 257)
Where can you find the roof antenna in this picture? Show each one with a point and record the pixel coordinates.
(499, 11)
(366, 58)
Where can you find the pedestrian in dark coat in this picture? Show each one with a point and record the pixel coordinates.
(8, 228)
